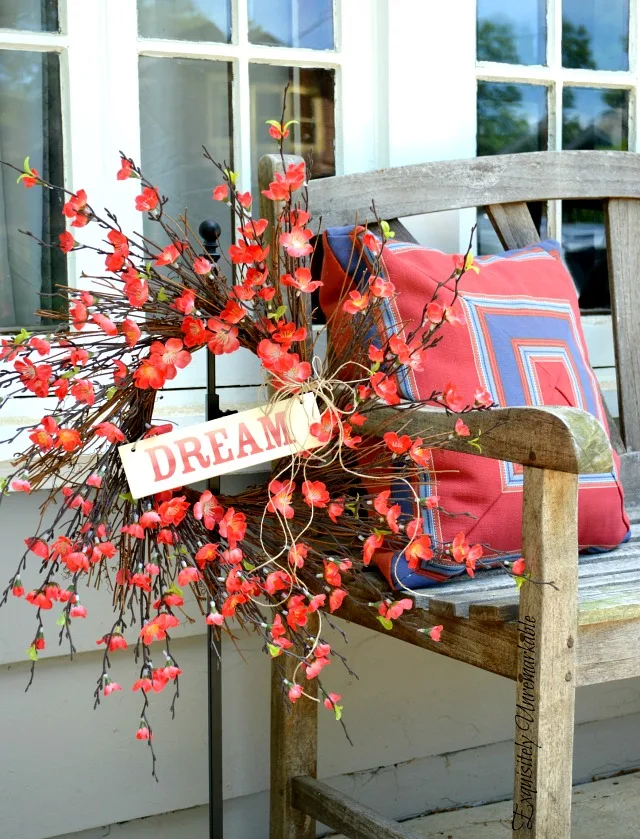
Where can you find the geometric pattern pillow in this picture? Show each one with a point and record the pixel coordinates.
(522, 341)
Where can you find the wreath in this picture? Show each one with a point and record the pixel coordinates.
(277, 558)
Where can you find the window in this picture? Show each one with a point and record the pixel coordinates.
(30, 124)
(157, 79)
(223, 95)
(557, 75)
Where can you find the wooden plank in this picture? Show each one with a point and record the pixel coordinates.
(294, 744)
(623, 252)
(343, 813)
(600, 600)
(545, 684)
(603, 582)
(496, 179)
(607, 652)
(490, 647)
(630, 476)
(563, 439)
(513, 224)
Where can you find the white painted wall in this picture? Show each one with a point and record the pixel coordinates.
(428, 732)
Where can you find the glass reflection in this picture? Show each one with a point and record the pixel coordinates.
(200, 95)
(591, 119)
(511, 118)
(30, 118)
(32, 15)
(594, 118)
(185, 20)
(595, 34)
(292, 23)
(310, 100)
(512, 33)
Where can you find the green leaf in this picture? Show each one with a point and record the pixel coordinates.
(162, 296)
(61, 620)
(338, 712)
(387, 232)
(274, 651)
(26, 166)
(274, 122)
(111, 392)
(4, 483)
(475, 445)
(174, 589)
(279, 312)
(375, 367)
(248, 566)
(291, 122)
(385, 622)
(519, 581)
(233, 176)
(32, 653)
(70, 373)
(126, 496)
(22, 336)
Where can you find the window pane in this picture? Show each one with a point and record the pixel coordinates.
(33, 15)
(310, 100)
(511, 118)
(30, 123)
(185, 20)
(595, 34)
(292, 23)
(512, 32)
(591, 119)
(200, 96)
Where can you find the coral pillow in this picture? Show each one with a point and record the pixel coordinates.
(522, 341)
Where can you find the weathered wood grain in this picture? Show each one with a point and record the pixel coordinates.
(562, 439)
(294, 739)
(497, 179)
(490, 647)
(513, 224)
(343, 813)
(608, 651)
(623, 252)
(545, 684)
(630, 476)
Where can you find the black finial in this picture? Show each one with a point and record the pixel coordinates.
(210, 231)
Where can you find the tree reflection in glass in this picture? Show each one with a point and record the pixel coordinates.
(511, 33)
(595, 34)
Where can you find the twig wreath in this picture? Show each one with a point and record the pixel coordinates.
(273, 555)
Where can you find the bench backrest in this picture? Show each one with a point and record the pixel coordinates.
(503, 184)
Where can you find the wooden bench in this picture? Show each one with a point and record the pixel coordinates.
(586, 628)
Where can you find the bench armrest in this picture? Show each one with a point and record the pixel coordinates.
(562, 439)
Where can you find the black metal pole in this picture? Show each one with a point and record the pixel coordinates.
(210, 232)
